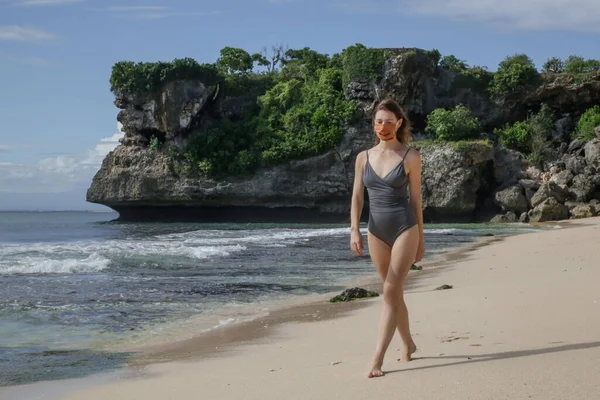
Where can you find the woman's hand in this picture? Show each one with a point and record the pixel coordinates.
(421, 248)
(356, 242)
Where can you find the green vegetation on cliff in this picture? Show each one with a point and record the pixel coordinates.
(294, 102)
(143, 78)
(530, 137)
(515, 74)
(576, 67)
(361, 63)
(452, 125)
(300, 112)
(588, 122)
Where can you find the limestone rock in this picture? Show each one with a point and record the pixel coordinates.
(572, 204)
(549, 210)
(546, 191)
(583, 211)
(456, 183)
(451, 178)
(413, 79)
(575, 164)
(592, 153)
(576, 146)
(499, 219)
(562, 92)
(170, 111)
(509, 167)
(512, 199)
(529, 184)
(584, 187)
(509, 217)
(563, 178)
(562, 129)
(524, 218)
(563, 148)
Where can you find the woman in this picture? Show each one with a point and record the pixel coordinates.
(395, 230)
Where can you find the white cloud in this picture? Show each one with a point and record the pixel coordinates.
(106, 145)
(34, 3)
(23, 34)
(567, 15)
(56, 174)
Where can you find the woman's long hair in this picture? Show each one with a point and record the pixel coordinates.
(403, 133)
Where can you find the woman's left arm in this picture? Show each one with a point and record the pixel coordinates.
(414, 179)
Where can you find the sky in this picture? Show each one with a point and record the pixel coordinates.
(58, 120)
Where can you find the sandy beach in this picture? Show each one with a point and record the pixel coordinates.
(522, 321)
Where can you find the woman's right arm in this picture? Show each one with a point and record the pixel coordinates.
(358, 200)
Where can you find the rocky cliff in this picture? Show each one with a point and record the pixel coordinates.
(461, 181)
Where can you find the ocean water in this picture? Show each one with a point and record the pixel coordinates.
(74, 285)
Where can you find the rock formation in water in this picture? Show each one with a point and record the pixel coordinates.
(461, 181)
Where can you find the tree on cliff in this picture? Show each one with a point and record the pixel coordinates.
(270, 61)
(303, 63)
(234, 61)
(452, 63)
(554, 65)
(515, 74)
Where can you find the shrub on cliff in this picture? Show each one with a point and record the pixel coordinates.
(452, 63)
(300, 119)
(515, 74)
(516, 136)
(541, 126)
(225, 149)
(302, 64)
(300, 113)
(362, 63)
(234, 60)
(554, 65)
(451, 125)
(476, 78)
(531, 136)
(142, 78)
(588, 122)
(579, 65)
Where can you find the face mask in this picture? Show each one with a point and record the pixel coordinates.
(385, 132)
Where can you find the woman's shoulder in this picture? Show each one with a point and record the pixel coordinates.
(412, 155)
(412, 152)
(362, 156)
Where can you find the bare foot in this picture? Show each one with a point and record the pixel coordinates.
(408, 352)
(376, 371)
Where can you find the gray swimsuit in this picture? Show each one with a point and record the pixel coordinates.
(390, 213)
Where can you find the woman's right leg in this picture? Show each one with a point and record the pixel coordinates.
(381, 254)
(403, 255)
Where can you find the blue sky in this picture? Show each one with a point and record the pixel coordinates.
(57, 112)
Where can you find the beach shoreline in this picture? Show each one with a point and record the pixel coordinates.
(230, 339)
(513, 327)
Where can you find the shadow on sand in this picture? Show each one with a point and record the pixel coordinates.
(471, 359)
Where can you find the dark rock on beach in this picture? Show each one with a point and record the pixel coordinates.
(353, 294)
